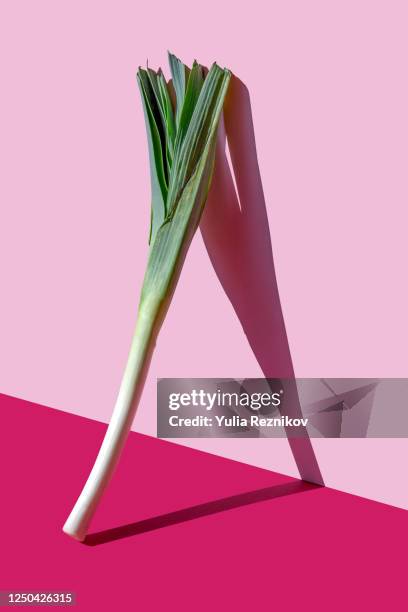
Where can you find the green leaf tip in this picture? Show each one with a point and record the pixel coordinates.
(181, 120)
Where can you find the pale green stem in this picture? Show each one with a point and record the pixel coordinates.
(131, 388)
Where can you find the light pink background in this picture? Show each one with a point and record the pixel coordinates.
(329, 97)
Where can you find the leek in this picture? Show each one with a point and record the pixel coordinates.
(181, 124)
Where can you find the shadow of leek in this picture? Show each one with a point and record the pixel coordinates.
(236, 234)
(195, 512)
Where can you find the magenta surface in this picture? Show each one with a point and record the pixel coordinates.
(184, 530)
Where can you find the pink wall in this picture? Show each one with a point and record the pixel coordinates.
(329, 99)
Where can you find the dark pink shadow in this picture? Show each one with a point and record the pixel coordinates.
(236, 234)
(199, 511)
